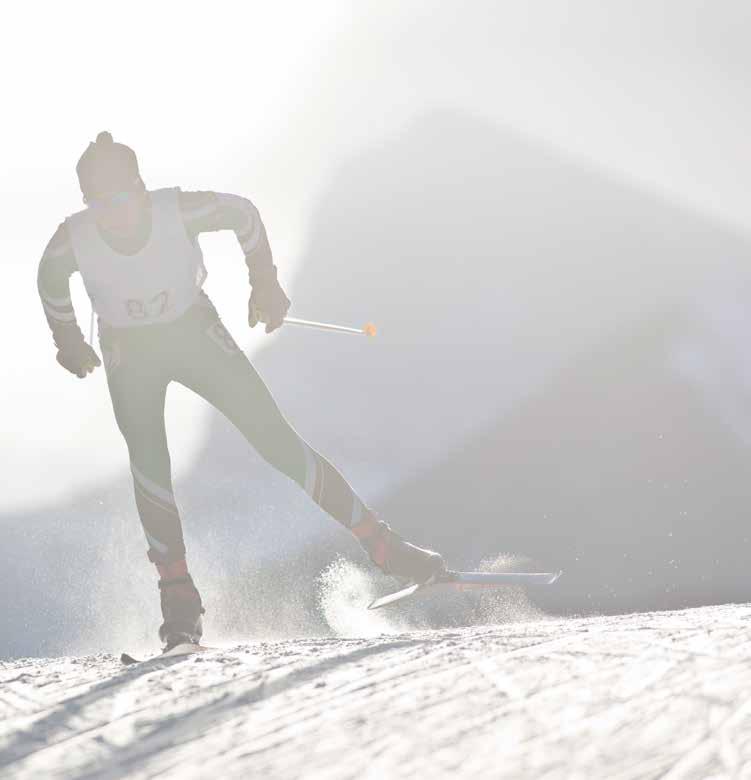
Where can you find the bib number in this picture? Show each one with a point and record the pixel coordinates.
(150, 309)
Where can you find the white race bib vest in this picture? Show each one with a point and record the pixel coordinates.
(157, 284)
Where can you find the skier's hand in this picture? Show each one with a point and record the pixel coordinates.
(268, 303)
(80, 359)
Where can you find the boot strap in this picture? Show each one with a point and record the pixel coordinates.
(367, 528)
(186, 580)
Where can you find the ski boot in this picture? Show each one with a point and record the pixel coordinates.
(393, 555)
(181, 606)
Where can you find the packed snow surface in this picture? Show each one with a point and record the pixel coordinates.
(633, 696)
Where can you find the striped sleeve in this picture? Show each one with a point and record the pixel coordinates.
(205, 212)
(57, 265)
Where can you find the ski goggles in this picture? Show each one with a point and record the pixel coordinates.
(113, 199)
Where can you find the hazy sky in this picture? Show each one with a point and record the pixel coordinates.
(266, 99)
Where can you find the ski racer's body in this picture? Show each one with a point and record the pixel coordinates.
(141, 263)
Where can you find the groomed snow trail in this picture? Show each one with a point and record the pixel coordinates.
(634, 696)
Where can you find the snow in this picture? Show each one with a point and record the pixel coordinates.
(633, 696)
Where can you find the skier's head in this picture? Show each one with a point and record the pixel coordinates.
(111, 183)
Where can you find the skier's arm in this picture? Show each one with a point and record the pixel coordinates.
(211, 211)
(57, 265)
(206, 212)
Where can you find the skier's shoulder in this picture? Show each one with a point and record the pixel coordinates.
(201, 202)
(195, 204)
(208, 210)
(165, 198)
(76, 216)
(211, 210)
(59, 245)
(165, 192)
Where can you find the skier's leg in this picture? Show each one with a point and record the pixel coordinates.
(220, 372)
(139, 412)
(138, 396)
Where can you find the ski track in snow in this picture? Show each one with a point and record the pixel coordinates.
(633, 696)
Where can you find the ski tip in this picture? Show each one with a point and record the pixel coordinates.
(392, 598)
(128, 660)
(549, 579)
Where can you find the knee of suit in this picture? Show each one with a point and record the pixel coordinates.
(282, 448)
(151, 458)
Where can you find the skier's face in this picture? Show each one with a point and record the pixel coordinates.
(120, 210)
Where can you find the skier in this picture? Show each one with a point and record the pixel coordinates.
(138, 254)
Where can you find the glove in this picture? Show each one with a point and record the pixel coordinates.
(78, 358)
(268, 303)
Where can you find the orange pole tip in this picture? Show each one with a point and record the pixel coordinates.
(369, 329)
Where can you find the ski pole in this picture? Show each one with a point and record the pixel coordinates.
(369, 329)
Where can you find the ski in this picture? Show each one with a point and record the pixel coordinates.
(174, 652)
(469, 580)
